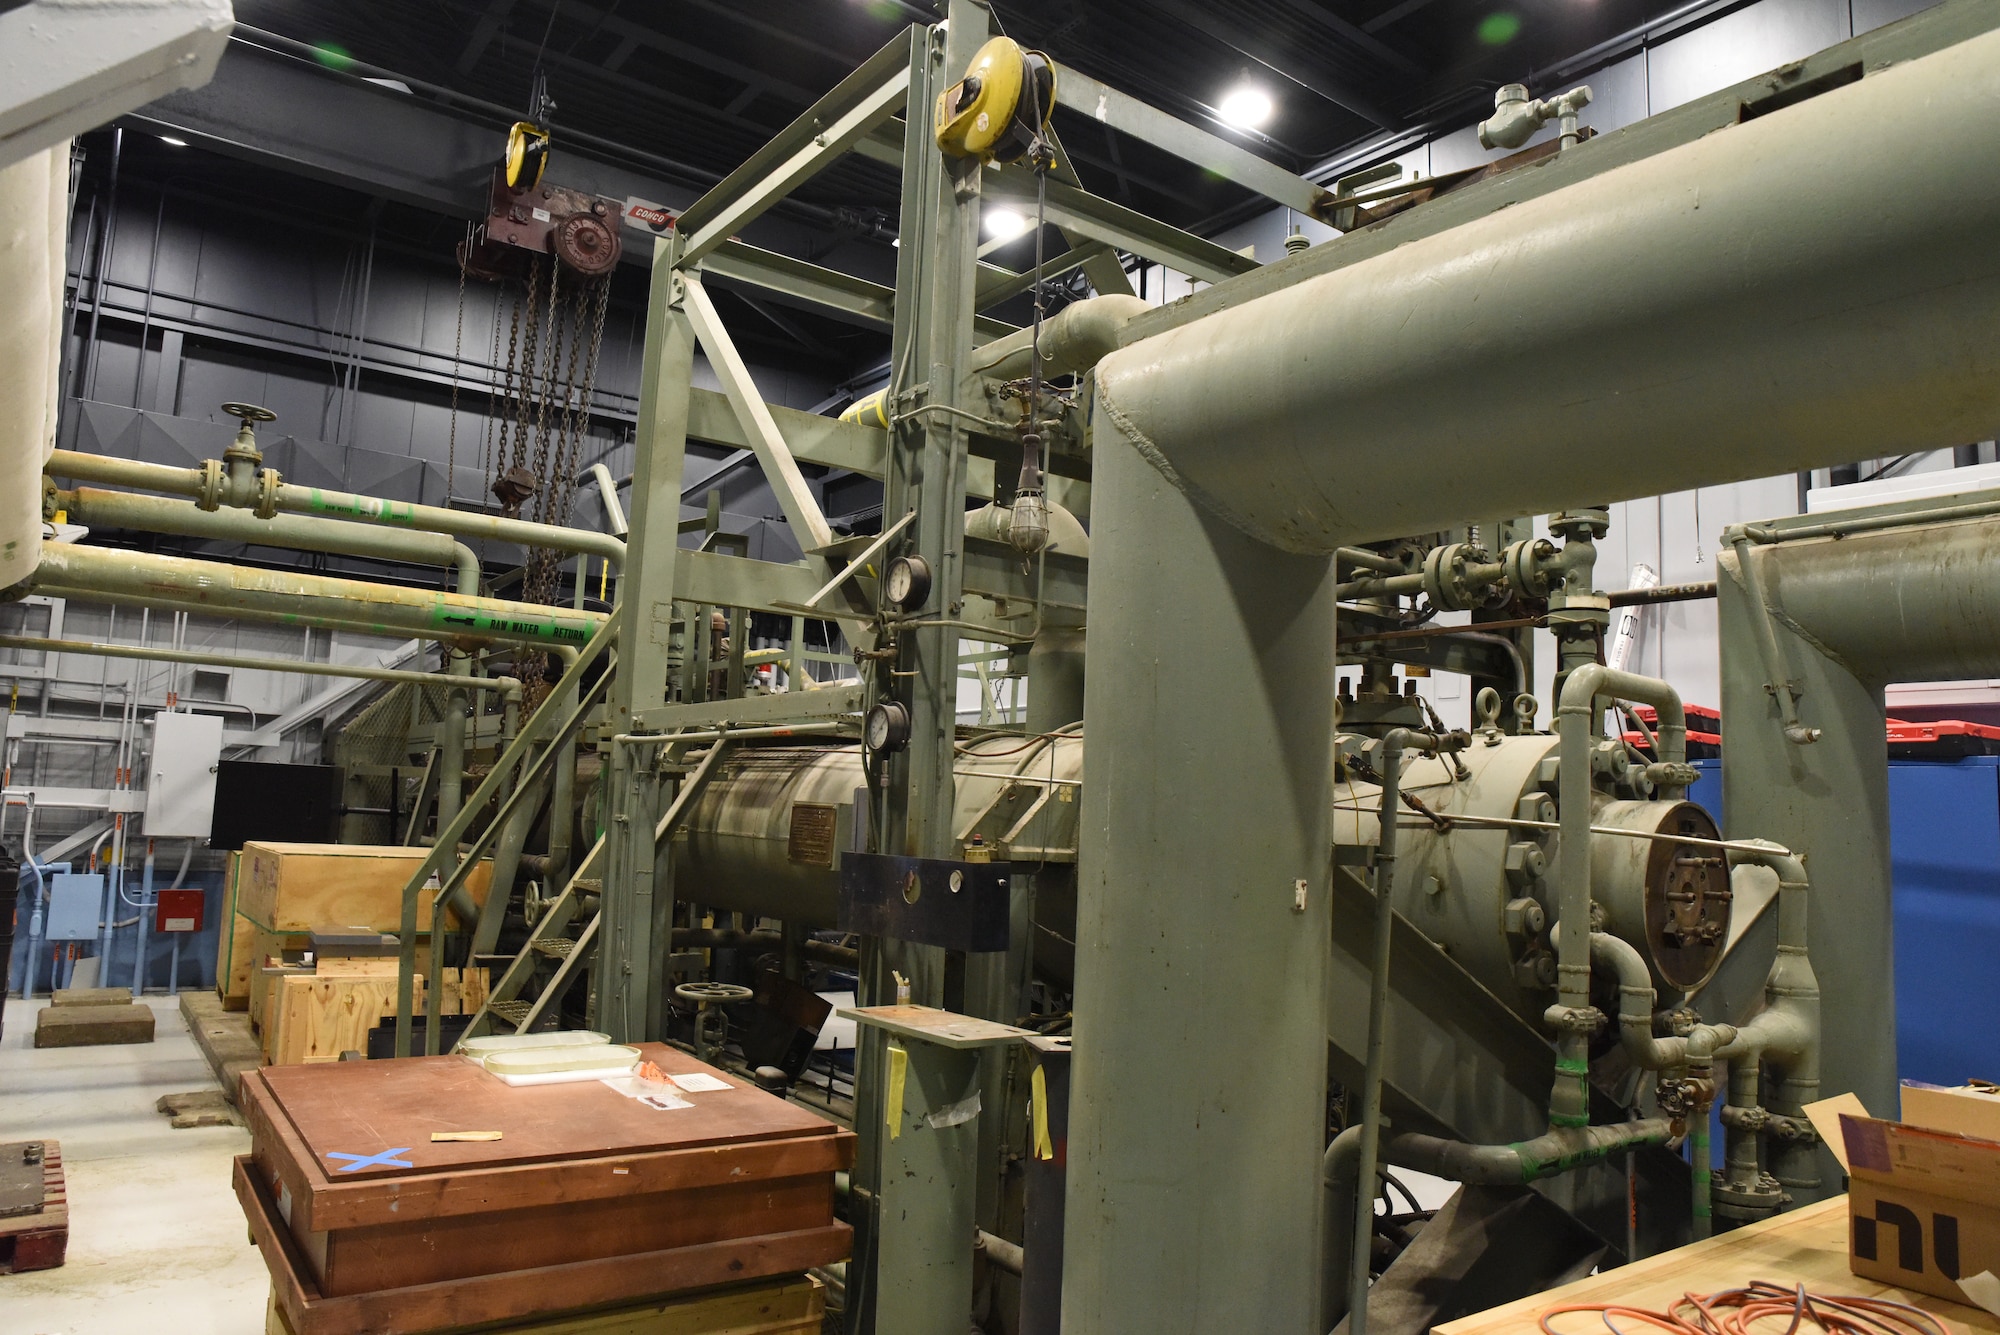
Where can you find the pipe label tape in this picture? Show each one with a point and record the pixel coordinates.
(899, 1071)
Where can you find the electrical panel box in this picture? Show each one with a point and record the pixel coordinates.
(75, 903)
(179, 910)
(180, 778)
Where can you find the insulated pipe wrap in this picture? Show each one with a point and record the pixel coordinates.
(33, 197)
(1819, 283)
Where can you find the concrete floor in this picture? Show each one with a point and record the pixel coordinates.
(157, 1240)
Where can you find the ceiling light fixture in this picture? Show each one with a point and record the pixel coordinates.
(1004, 224)
(1246, 107)
(177, 143)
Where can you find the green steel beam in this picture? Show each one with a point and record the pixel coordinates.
(740, 262)
(781, 470)
(807, 147)
(806, 133)
(1232, 162)
(632, 899)
(1077, 211)
(844, 293)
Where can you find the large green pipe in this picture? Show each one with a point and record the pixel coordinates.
(146, 580)
(193, 482)
(155, 514)
(1818, 283)
(508, 687)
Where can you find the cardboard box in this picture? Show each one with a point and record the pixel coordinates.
(1924, 1193)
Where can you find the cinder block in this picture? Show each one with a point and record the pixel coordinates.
(93, 996)
(92, 1026)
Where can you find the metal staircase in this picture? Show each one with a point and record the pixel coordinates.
(507, 1010)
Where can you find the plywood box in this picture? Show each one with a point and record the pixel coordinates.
(294, 888)
(235, 943)
(318, 1016)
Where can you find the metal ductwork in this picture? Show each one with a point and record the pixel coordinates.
(34, 201)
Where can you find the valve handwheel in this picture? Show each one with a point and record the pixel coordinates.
(249, 412)
(703, 994)
(711, 1025)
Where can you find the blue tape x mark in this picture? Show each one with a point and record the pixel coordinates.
(386, 1159)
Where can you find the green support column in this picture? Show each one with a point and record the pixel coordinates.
(627, 956)
(935, 269)
(1197, 1112)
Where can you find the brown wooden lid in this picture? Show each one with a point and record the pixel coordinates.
(367, 1109)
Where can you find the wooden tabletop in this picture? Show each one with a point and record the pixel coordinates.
(350, 1112)
(1807, 1246)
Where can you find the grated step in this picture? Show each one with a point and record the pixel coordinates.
(513, 1012)
(555, 947)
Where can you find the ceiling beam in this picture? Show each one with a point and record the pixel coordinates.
(483, 32)
(1297, 66)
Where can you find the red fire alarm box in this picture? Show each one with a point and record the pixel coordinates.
(178, 911)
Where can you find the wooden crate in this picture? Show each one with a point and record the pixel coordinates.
(589, 1200)
(296, 888)
(318, 1016)
(269, 948)
(38, 1241)
(795, 1305)
(235, 943)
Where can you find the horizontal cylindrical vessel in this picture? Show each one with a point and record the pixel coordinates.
(1815, 284)
(1487, 893)
(744, 846)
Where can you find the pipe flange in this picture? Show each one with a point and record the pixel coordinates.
(268, 483)
(1527, 563)
(214, 482)
(1446, 582)
(1575, 1019)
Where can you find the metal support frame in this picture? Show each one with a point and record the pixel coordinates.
(632, 900)
(781, 470)
(866, 98)
(1232, 162)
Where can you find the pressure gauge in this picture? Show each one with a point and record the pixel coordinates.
(887, 728)
(907, 582)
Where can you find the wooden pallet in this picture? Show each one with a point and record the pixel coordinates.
(38, 1241)
(791, 1306)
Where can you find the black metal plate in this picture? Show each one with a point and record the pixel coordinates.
(21, 1179)
(931, 901)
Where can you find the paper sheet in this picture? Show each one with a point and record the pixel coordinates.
(662, 1098)
(699, 1083)
(1825, 1118)
(1982, 1289)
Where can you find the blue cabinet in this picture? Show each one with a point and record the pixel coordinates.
(1944, 841)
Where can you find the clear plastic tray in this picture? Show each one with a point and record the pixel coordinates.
(479, 1048)
(600, 1057)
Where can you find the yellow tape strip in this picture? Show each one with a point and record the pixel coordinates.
(1039, 1102)
(899, 1070)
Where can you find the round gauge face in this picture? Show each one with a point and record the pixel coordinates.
(906, 583)
(876, 732)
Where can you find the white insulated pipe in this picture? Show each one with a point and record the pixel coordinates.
(1819, 283)
(34, 198)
